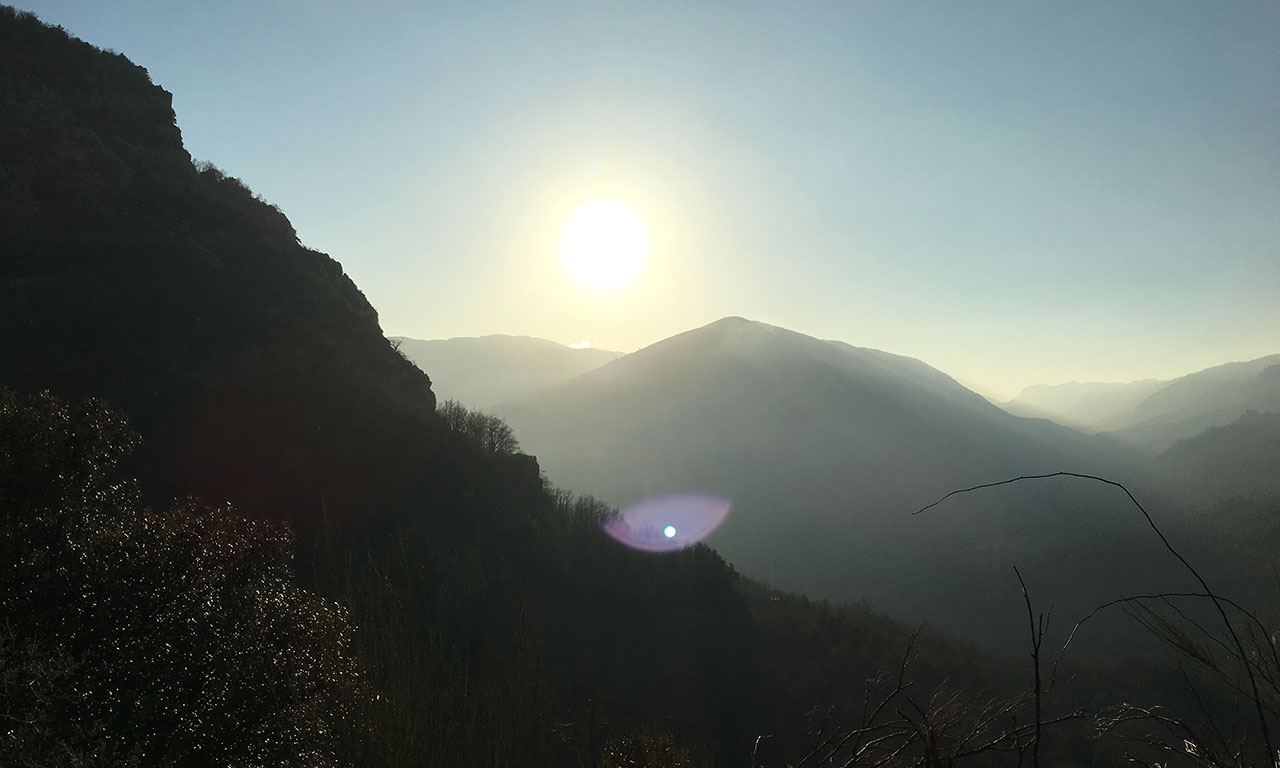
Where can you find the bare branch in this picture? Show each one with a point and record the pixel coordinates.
(1217, 602)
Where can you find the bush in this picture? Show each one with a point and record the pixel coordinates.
(132, 637)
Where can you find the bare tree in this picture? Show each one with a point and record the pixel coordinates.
(486, 430)
(897, 728)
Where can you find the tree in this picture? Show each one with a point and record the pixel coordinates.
(129, 636)
(486, 430)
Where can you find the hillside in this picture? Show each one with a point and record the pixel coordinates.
(172, 291)
(1240, 459)
(492, 370)
(1153, 414)
(826, 449)
(1213, 397)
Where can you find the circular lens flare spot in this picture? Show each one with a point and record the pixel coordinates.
(667, 523)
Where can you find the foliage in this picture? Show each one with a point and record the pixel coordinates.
(129, 636)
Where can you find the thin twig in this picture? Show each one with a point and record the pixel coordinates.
(1037, 636)
(1217, 602)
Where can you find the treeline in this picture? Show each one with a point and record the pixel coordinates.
(182, 637)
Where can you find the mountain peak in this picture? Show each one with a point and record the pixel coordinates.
(731, 321)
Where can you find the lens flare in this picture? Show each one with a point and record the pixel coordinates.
(667, 523)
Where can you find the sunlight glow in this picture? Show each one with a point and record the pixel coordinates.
(603, 244)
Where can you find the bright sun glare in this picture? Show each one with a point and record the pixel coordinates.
(603, 244)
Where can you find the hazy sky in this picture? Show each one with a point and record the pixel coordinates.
(1013, 192)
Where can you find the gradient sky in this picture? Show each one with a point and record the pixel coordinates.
(1013, 192)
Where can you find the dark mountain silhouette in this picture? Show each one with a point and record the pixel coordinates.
(826, 450)
(486, 371)
(252, 365)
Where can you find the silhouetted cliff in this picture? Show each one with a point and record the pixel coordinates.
(252, 365)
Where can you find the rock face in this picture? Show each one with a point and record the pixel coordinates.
(253, 366)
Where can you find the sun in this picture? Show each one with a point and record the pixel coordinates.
(603, 244)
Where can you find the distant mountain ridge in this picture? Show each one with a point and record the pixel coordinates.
(484, 371)
(1155, 413)
(1213, 397)
(1083, 405)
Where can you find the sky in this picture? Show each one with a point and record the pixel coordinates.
(1014, 192)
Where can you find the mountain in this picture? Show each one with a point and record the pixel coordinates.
(1213, 397)
(826, 449)
(1086, 406)
(252, 365)
(485, 371)
(1240, 459)
(1152, 413)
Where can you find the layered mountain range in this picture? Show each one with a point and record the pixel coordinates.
(827, 448)
(487, 371)
(1153, 414)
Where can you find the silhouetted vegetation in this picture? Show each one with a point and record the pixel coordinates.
(484, 429)
(135, 637)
